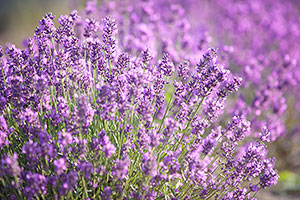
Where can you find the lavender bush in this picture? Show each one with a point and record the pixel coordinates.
(88, 112)
(250, 34)
(257, 41)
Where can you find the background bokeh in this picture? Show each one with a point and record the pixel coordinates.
(19, 17)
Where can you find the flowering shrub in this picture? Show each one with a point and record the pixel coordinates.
(257, 40)
(83, 118)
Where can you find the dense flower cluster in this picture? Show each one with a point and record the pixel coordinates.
(259, 38)
(92, 114)
(257, 41)
(250, 35)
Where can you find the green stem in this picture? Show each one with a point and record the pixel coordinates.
(194, 114)
(85, 194)
(3, 75)
(166, 112)
(188, 124)
(109, 64)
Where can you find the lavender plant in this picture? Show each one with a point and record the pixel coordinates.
(257, 39)
(82, 118)
(258, 50)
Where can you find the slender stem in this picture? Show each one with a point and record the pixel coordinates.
(3, 75)
(188, 124)
(85, 193)
(109, 64)
(166, 112)
(194, 114)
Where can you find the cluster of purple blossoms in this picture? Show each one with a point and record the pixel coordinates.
(88, 115)
(258, 40)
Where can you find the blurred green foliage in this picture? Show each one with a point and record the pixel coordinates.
(18, 18)
(290, 182)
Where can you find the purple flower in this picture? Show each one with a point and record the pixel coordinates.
(265, 135)
(149, 164)
(171, 127)
(10, 166)
(86, 168)
(269, 176)
(183, 70)
(146, 57)
(239, 127)
(253, 187)
(3, 132)
(120, 168)
(107, 147)
(59, 166)
(166, 66)
(108, 37)
(91, 26)
(84, 113)
(46, 26)
(107, 192)
(1, 52)
(35, 184)
(123, 61)
(67, 182)
(208, 146)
